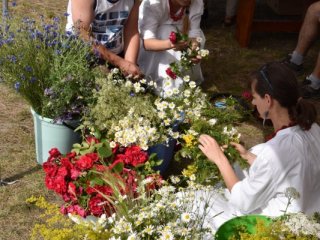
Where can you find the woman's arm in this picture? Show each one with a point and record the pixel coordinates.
(82, 16)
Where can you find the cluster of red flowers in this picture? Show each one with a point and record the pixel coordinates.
(171, 73)
(77, 178)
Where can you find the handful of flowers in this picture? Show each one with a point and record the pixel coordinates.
(95, 171)
(176, 37)
(190, 56)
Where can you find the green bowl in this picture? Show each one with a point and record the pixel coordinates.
(239, 224)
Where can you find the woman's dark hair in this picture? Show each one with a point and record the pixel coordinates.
(277, 80)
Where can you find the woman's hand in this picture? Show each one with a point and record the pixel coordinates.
(244, 153)
(214, 152)
(211, 149)
(129, 68)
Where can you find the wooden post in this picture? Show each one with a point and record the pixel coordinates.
(245, 16)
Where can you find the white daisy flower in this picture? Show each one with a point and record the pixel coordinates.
(185, 217)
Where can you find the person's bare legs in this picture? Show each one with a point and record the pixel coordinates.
(307, 35)
(309, 30)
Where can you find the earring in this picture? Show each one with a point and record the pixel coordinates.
(265, 115)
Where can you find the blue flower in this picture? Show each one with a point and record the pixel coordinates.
(17, 86)
(33, 79)
(66, 14)
(14, 3)
(56, 19)
(28, 69)
(12, 58)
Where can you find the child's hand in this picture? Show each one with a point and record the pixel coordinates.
(179, 46)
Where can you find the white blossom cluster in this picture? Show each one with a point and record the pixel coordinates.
(300, 224)
(167, 213)
(180, 104)
(135, 130)
(232, 133)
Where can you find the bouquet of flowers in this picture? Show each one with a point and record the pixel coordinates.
(124, 111)
(217, 122)
(49, 67)
(95, 171)
(189, 56)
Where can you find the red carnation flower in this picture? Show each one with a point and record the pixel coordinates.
(93, 156)
(173, 37)
(97, 206)
(60, 185)
(84, 163)
(135, 156)
(170, 73)
(92, 139)
(247, 95)
(50, 169)
(54, 153)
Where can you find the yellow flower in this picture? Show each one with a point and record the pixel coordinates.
(189, 171)
(190, 140)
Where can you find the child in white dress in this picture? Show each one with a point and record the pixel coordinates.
(157, 19)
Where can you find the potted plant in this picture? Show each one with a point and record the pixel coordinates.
(50, 69)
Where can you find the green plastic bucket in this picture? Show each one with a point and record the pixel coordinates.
(245, 223)
(50, 135)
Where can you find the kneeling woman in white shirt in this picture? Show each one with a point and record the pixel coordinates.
(289, 159)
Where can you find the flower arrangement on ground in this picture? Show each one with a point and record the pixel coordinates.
(124, 111)
(168, 212)
(85, 177)
(49, 67)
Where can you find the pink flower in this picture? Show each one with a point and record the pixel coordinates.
(170, 73)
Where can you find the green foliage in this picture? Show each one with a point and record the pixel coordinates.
(114, 101)
(219, 123)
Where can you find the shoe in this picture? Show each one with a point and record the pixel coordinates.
(297, 69)
(308, 91)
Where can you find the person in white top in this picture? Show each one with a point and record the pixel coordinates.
(112, 27)
(157, 19)
(290, 159)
